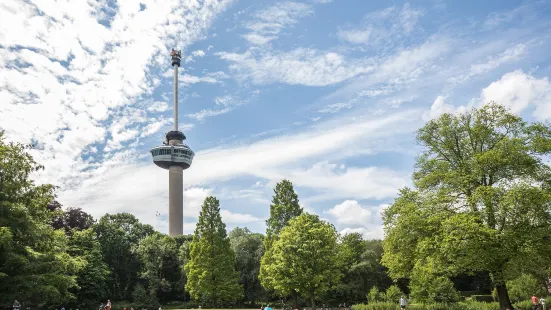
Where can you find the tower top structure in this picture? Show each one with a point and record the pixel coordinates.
(174, 152)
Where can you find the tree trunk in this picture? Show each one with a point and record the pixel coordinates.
(294, 296)
(503, 295)
(313, 301)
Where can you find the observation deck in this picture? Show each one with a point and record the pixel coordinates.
(166, 156)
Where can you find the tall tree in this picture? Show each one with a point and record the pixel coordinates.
(211, 275)
(285, 206)
(482, 202)
(159, 255)
(361, 269)
(305, 259)
(35, 267)
(72, 218)
(248, 248)
(119, 236)
(92, 278)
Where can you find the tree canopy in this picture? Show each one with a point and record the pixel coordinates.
(211, 275)
(304, 258)
(34, 263)
(480, 203)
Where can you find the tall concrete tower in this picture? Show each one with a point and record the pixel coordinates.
(176, 157)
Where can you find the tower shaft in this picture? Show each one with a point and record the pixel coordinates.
(175, 201)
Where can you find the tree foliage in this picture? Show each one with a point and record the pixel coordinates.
(360, 263)
(159, 255)
(119, 236)
(284, 207)
(481, 201)
(34, 263)
(248, 248)
(211, 275)
(72, 218)
(92, 277)
(305, 258)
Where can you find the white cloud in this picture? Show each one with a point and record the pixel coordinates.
(333, 182)
(356, 218)
(518, 91)
(268, 23)
(510, 54)
(227, 103)
(350, 213)
(526, 11)
(238, 218)
(69, 81)
(300, 66)
(158, 106)
(335, 107)
(438, 107)
(198, 53)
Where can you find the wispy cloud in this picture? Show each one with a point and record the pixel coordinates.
(224, 104)
(300, 66)
(267, 24)
(380, 27)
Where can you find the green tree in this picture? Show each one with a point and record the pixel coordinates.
(305, 259)
(35, 267)
(482, 199)
(393, 294)
(285, 206)
(523, 287)
(248, 248)
(119, 236)
(211, 275)
(92, 278)
(161, 270)
(374, 295)
(361, 268)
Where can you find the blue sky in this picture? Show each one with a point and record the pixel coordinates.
(326, 93)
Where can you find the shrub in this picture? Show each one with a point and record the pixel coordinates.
(483, 298)
(430, 306)
(374, 295)
(393, 294)
(524, 287)
(430, 288)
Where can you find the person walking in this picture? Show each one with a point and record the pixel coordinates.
(402, 302)
(16, 305)
(108, 305)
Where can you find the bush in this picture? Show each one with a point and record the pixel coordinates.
(393, 294)
(374, 295)
(430, 306)
(483, 298)
(524, 287)
(429, 288)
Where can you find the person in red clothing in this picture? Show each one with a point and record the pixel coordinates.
(535, 303)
